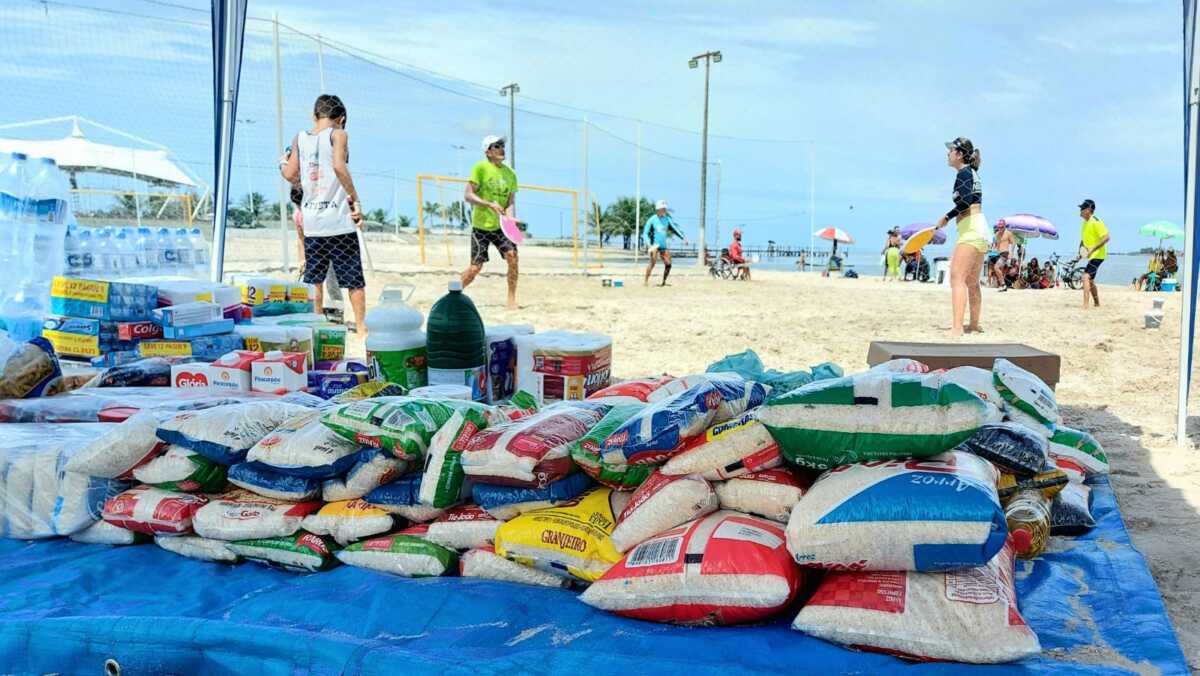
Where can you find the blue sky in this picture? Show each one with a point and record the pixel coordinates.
(1066, 100)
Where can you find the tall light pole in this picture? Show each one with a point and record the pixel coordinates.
(511, 91)
(462, 150)
(709, 59)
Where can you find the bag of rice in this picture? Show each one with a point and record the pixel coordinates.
(533, 451)
(183, 471)
(977, 380)
(1071, 513)
(965, 615)
(506, 502)
(659, 431)
(1074, 471)
(572, 540)
(400, 554)
(300, 552)
(1077, 445)
(586, 451)
(1010, 447)
(443, 477)
(223, 434)
(876, 415)
(631, 391)
(934, 514)
(73, 501)
(1025, 392)
(729, 449)
(349, 520)
(115, 454)
(483, 562)
(104, 533)
(662, 502)
(771, 493)
(153, 511)
(303, 446)
(401, 425)
(372, 468)
(265, 481)
(242, 515)
(199, 548)
(403, 497)
(463, 527)
(902, 366)
(726, 568)
(371, 389)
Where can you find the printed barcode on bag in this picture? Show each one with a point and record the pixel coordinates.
(655, 552)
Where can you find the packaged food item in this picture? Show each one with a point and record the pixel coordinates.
(463, 527)
(104, 533)
(725, 568)
(562, 365)
(196, 547)
(875, 415)
(329, 384)
(1028, 516)
(183, 471)
(586, 451)
(1025, 391)
(303, 446)
(727, 450)
(572, 540)
(301, 552)
(502, 360)
(484, 562)
(1071, 513)
(402, 497)
(154, 372)
(189, 376)
(372, 469)
(662, 502)
(403, 426)
(442, 483)
(507, 502)
(278, 373)
(242, 515)
(231, 371)
(263, 480)
(224, 434)
(771, 493)
(349, 520)
(27, 370)
(938, 513)
(400, 554)
(533, 451)
(153, 511)
(115, 454)
(117, 301)
(632, 391)
(369, 390)
(1010, 447)
(1081, 447)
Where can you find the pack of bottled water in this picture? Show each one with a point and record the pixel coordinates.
(113, 253)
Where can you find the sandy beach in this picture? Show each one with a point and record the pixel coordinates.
(1118, 379)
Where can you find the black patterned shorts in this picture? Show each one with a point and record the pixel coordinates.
(339, 251)
(480, 239)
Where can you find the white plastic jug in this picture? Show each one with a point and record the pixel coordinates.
(395, 341)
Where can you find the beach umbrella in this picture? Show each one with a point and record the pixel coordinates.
(835, 235)
(1029, 225)
(906, 231)
(1161, 230)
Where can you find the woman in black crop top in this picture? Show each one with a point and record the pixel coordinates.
(974, 235)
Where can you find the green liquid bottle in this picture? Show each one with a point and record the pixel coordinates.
(457, 343)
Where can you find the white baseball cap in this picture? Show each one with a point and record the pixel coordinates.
(661, 204)
(490, 139)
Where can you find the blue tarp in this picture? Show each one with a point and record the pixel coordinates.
(67, 607)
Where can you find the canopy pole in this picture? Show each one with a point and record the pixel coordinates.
(1186, 319)
(284, 190)
(228, 24)
(637, 190)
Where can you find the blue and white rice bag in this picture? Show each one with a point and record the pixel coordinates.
(507, 502)
(264, 480)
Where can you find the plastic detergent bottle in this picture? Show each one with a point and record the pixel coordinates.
(457, 344)
(395, 342)
(1028, 517)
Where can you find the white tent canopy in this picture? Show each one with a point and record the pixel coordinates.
(77, 153)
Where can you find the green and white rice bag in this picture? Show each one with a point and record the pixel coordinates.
(1026, 392)
(875, 415)
(586, 452)
(406, 554)
(443, 477)
(183, 470)
(1077, 445)
(196, 547)
(400, 425)
(301, 552)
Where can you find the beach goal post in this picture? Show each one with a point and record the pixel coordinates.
(441, 208)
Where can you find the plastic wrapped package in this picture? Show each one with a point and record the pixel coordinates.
(1009, 446)
(586, 451)
(400, 554)
(196, 547)
(226, 433)
(400, 425)
(242, 515)
(184, 471)
(771, 493)
(115, 454)
(301, 552)
(484, 562)
(571, 540)
(463, 527)
(373, 467)
(506, 502)
(303, 446)
(662, 502)
(533, 451)
(104, 533)
(1025, 391)
(632, 391)
(265, 481)
(349, 521)
(153, 511)
(112, 404)
(27, 370)
(403, 497)
(727, 450)
(443, 477)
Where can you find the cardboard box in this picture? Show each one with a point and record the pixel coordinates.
(131, 331)
(187, 376)
(188, 314)
(231, 373)
(164, 348)
(1044, 365)
(214, 328)
(279, 373)
(81, 337)
(114, 301)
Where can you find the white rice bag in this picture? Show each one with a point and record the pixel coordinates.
(1025, 391)
(104, 533)
(124, 447)
(225, 433)
(660, 503)
(242, 515)
(153, 511)
(303, 445)
(349, 520)
(182, 470)
(300, 552)
(727, 450)
(400, 554)
(977, 380)
(443, 479)
(771, 493)
(484, 562)
(195, 547)
(532, 451)
(373, 468)
(464, 527)
(265, 481)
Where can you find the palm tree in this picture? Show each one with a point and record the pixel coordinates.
(250, 210)
(433, 209)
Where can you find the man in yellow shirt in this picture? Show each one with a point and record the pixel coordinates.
(1095, 240)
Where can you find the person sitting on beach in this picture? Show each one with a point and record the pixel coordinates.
(1033, 273)
(1153, 274)
(1049, 275)
(1170, 264)
(737, 258)
(1012, 275)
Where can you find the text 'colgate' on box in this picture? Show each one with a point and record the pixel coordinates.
(279, 373)
(185, 376)
(231, 373)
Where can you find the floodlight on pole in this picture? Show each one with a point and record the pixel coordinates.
(511, 90)
(709, 59)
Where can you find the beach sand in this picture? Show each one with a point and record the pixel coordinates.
(1118, 379)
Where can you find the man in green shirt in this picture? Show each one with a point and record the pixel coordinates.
(492, 191)
(1095, 240)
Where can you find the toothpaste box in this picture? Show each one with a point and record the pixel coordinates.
(130, 331)
(116, 358)
(190, 291)
(188, 314)
(165, 348)
(80, 337)
(231, 372)
(209, 348)
(214, 328)
(92, 299)
(279, 373)
(185, 376)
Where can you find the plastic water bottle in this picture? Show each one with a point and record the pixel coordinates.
(127, 253)
(104, 257)
(49, 195)
(87, 254)
(168, 257)
(71, 252)
(200, 255)
(186, 258)
(147, 249)
(10, 196)
(457, 344)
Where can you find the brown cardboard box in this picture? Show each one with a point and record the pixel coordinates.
(948, 355)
